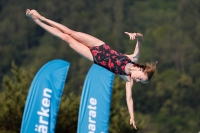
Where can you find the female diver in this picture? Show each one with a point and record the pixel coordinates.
(100, 53)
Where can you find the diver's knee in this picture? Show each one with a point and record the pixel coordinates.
(65, 37)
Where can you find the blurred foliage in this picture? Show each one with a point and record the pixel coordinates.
(13, 97)
(168, 104)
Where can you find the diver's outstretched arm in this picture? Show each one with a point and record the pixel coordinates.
(130, 103)
(135, 56)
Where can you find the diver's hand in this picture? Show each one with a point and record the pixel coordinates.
(131, 35)
(132, 122)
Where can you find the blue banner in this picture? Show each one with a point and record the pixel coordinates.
(44, 96)
(94, 111)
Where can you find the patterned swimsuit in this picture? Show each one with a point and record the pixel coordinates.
(110, 59)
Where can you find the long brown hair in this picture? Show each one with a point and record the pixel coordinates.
(149, 69)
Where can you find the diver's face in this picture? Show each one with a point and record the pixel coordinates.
(139, 76)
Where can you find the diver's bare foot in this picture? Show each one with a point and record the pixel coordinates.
(36, 14)
(29, 14)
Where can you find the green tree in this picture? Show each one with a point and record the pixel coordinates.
(12, 99)
(67, 120)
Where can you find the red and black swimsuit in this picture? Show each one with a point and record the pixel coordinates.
(110, 59)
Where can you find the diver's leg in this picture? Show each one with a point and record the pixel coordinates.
(83, 38)
(74, 44)
(135, 56)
